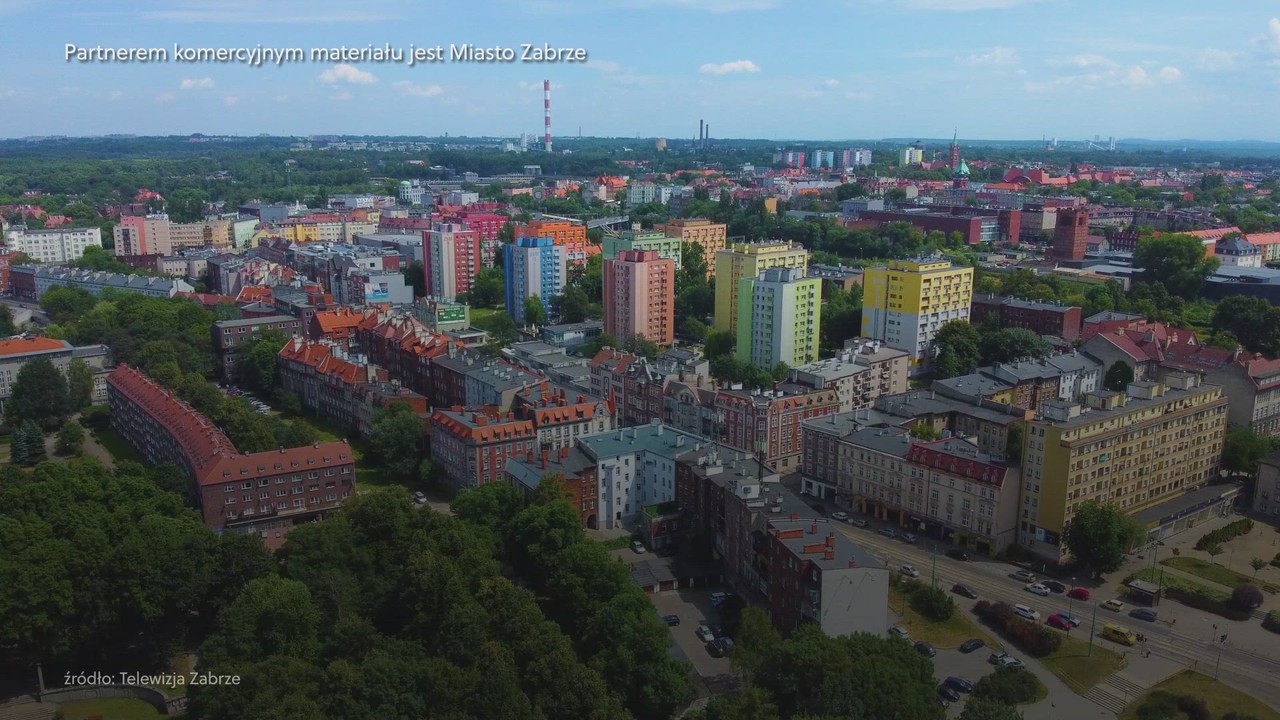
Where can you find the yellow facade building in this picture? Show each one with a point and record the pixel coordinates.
(1135, 449)
(748, 260)
(711, 236)
(905, 302)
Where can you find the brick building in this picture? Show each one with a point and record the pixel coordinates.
(229, 335)
(575, 468)
(1041, 318)
(262, 493)
(1070, 234)
(472, 448)
(768, 422)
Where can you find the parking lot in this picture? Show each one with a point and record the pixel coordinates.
(693, 607)
(971, 667)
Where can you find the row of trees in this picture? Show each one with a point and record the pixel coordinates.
(961, 347)
(41, 394)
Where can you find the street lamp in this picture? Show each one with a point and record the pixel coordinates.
(934, 572)
(1070, 599)
(1093, 626)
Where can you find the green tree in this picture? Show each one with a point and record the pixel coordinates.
(7, 328)
(534, 312)
(65, 304)
(1242, 449)
(1099, 535)
(1257, 564)
(1009, 685)
(573, 306)
(260, 360)
(1118, 376)
(187, 205)
(79, 384)
(271, 617)
(983, 709)
(39, 395)
(28, 445)
(502, 331)
(640, 345)
(719, 342)
(692, 329)
(956, 349)
(1013, 442)
(1253, 321)
(1013, 344)
(70, 439)
(487, 290)
(415, 277)
(693, 268)
(922, 430)
(1176, 261)
(396, 438)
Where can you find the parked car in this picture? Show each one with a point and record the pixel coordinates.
(909, 539)
(1025, 611)
(720, 648)
(637, 546)
(1009, 661)
(899, 632)
(1054, 586)
(997, 656)
(959, 683)
(858, 522)
(956, 554)
(704, 633)
(1148, 614)
(1057, 622)
(1037, 589)
(671, 620)
(1078, 593)
(840, 515)
(964, 591)
(948, 693)
(1075, 621)
(925, 649)
(420, 498)
(888, 532)
(909, 571)
(719, 598)
(971, 645)
(1025, 576)
(1113, 605)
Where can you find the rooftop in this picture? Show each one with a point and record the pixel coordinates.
(652, 438)
(816, 541)
(32, 345)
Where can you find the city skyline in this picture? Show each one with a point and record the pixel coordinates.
(757, 69)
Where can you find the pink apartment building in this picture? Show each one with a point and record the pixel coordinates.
(639, 296)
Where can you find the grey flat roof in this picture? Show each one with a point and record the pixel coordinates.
(654, 438)
(845, 549)
(255, 321)
(1090, 415)
(1185, 504)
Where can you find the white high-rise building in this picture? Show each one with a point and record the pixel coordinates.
(52, 244)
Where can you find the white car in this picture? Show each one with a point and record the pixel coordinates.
(704, 633)
(1024, 611)
(910, 571)
(840, 515)
(899, 632)
(1009, 661)
(1037, 589)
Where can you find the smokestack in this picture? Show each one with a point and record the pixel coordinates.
(706, 139)
(700, 130)
(546, 107)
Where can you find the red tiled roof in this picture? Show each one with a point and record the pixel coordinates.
(340, 319)
(931, 455)
(253, 293)
(319, 355)
(481, 427)
(18, 346)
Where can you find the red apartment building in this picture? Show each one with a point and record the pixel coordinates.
(404, 346)
(559, 418)
(338, 326)
(769, 422)
(630, 384)
(1041, 318)
(472, 448)
(486, 224)
(451, 258)
(262, 493)
(976, 224)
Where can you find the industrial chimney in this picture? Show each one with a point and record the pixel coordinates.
(546, 107)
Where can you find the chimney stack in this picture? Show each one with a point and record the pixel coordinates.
(813, 528)
(544, 458)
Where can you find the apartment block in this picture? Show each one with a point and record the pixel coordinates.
(451, 258)
(17, 352)
(487, 225)
(1041, 318)
(907, 301)
(639, 296)
(636, 467)
(263, 493)
(472, 448)
(779, 318)
(52, 244)
(748, 260)
(668, 248)
(1141, 450)
(533, 267)
(861, 372)
(560, 418)
(575, 468)
(31, 282)
(229, 335)
(570, 236)
(768, 422)
(1027, 384)
(711, 236)
(819, 576)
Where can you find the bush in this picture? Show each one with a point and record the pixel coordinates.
(1230, 531)
(1246, 597)
(933, 603)
(1233, 715)
(1159, 706)
(1009, 685)
(1194, 708)
(1272, 621)
(1031, 638)
(96, 417)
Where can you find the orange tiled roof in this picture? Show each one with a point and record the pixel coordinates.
(18, 346)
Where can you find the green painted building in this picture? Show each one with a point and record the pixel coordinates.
(667, 247)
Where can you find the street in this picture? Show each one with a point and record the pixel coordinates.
(1187, 639)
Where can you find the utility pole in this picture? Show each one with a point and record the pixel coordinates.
(934, 579)
(1093, 627)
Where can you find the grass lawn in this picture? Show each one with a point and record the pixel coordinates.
(112, 709)
(618, 543)
(1213, 573)
(116, 445)
(1074, 666)
(943, 635)
(478, 315)
(1220, 698)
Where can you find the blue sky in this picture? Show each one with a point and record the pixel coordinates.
(806, 69)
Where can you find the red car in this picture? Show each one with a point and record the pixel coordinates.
(1058, 622)
(1078, 594)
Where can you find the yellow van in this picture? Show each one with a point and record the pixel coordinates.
(1122, 635)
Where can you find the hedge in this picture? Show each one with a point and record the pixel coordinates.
(1230, 531)
(1031, 638)
(1272, 621)
(1198, 596)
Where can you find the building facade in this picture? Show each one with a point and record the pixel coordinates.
(861, 372)
(907, 301)
(669, 248)
(472, 448)
(229, 335)
(1041, 318)
(570, 236)
(711, 236)
(636, 467)
(52, 244)
(639, 296)
(748, 260)
(451, 259)
(533, 267)
(1070, 234)
(768, 423)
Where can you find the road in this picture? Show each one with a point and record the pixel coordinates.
(1187, 640)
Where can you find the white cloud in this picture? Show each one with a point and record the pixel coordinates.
(344, 73)
(203, 83)
(831, 82)
(859, 96)
(1169, 74)
(1270, 39)
(230, 100)
(998, 55)
(607, 67)
(1136, 75)
(409, 89)
(1215, 60)
(963, 5)
(736, 66)
(115, 95)
(341, 96)
(1088, 61)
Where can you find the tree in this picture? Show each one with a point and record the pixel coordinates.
(534, 312)
(28, 445)
(1009, 685)
(1099, 535)
(39, 395)
(1242, 449)
(65, 304)
(977, 708)
(7, 328)
(415, 277)
(260, 360)
(719, 342)
(1177, 262)
(693, 329)
(1257, 564)
(1253, 321)
(396, 438)
(1118, 376)
(1213, 550)
(79, 384)
(956, 349)
(573, 306)
(640, 345)
(924, 431)
(693, 268)
(487, 290)
(1013, 442)
(502, 331)
(1013, 344)
(1246, 597)
(70, 439)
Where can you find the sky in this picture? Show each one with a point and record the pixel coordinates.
(773, 69)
